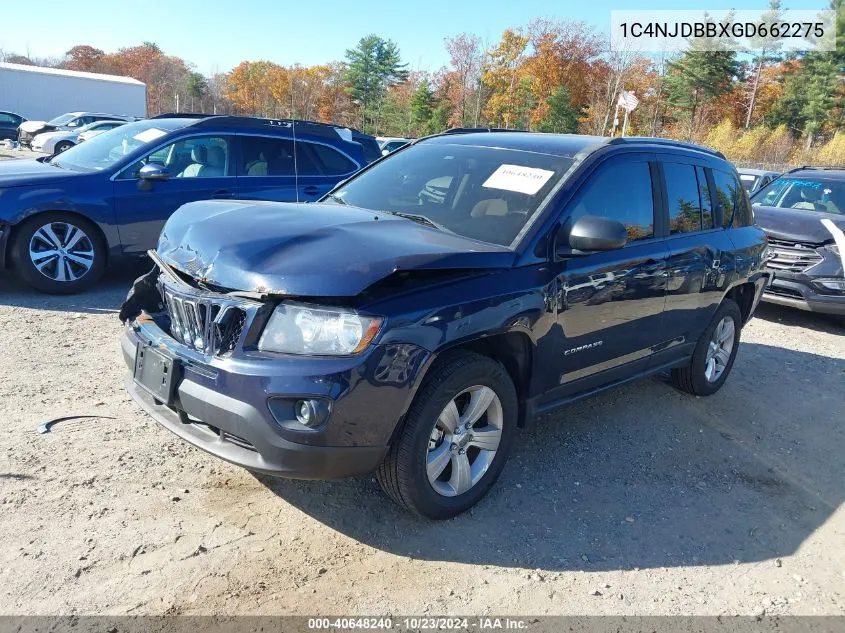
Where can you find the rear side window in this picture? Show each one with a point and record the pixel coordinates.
(731, 196)
(683, 197)
(622, 192)
(330, 161)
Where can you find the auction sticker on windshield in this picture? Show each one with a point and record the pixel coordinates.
(149, 135)
(517, 178)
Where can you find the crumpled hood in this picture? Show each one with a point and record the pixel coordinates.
(33, 126)
(796, 225)
(16, 173)
(313, 250)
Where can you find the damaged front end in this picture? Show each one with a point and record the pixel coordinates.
(204, 320)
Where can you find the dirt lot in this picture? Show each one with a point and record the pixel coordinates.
(640, 501)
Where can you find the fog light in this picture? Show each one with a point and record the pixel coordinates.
(311, 413)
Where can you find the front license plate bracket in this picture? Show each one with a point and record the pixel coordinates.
(157, 373)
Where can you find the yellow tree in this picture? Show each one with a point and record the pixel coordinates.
(249, 89)
(563, 55)
(505, 76)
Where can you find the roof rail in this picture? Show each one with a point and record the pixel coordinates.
(315, 127)
(621, 140)
(182, 115)
(470, 130)
(822, 167)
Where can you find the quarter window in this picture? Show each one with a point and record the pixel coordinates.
(622, 192)
(704, 195)
(684, 199)
(731, 196)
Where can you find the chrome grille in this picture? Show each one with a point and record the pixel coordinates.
(208, 323)
(792, 257)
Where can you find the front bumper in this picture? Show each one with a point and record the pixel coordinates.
(797, 291)
(222, 405)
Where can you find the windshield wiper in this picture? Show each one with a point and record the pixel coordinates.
(337, 199)
(421, 219)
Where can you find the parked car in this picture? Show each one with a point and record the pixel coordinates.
(389, 144)
(58, 141)
(381, 329)
(9, 122)
(754, 179)
(63, 219)
(803, 215)
(28, 130)
(93, 129)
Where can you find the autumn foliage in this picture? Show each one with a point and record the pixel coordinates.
(556, 76)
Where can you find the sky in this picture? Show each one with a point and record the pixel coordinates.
(215, 35)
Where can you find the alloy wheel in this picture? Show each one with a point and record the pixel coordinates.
(719, 350)
(464, 441)
(61, 251)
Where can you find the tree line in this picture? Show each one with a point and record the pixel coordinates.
(549, 75)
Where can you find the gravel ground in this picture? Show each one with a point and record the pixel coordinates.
(639, 501)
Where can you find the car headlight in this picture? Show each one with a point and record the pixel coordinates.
(296, 328)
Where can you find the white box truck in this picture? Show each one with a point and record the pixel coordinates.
(41, 94)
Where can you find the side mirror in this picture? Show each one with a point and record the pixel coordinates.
(153, 171)
(592, 233)
(385, 152)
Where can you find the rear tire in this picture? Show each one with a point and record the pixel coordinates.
(714, 355)
(438, 473)
(58, 253)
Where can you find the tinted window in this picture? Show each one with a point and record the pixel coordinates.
(704, 196)
(623, 192)
(7, 118)
(485, 193)
(727, 194)
(264, 156)
(330, 161)
(683, 197)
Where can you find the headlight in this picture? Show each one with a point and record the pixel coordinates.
(297, 328)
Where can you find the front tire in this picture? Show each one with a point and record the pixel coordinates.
(714, 355)
(456, 437)
(58, 253)
(62, 146)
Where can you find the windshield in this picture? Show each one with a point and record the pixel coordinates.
(104, 150)
(483, 193)
(807, 194)
(61, 120)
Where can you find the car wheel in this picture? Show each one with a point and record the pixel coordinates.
(62, 146)
(455, 439)
(714, 354)
(58, 253)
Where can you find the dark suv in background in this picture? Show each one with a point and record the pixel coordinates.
(427, 307)
(62, 219)
(803, 214)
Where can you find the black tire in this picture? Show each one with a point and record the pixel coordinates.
(692, 378)
(62, 146)
(403, 474)
(27, 270)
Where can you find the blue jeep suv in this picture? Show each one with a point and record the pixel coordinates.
(63, 219)
(439, 299)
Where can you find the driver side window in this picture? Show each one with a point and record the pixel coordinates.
(203, 157)
(622, 192)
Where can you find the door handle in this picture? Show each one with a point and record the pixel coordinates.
(311, 190)
(222, 194)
